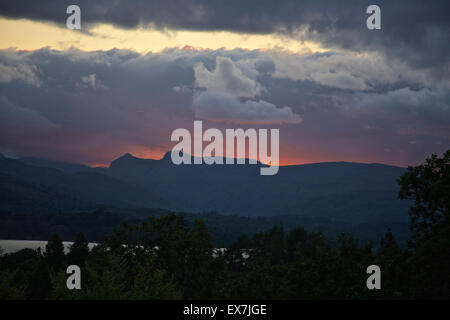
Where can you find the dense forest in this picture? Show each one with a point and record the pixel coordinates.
(168, 256)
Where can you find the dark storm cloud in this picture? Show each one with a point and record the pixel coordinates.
(93, 106)
(413, 30)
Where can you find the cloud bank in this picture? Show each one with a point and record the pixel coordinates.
(94, 106)
(412, 30)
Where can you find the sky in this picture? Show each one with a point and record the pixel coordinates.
(137, 70)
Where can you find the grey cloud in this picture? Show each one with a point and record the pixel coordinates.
(91, 81)
(15, 118)
(412, 30)
(346, 70)
(17, 67)
(226, 78)
(432, 105)
(226, 85)
(221, 107)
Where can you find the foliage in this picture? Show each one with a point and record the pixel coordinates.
(8, 289)
(429, 186)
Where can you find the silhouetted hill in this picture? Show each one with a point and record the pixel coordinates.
(62, 166)
(341, 191)
(87, 187)
(20, 196)
(352, 192)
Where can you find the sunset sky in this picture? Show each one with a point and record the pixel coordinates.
(137, 70)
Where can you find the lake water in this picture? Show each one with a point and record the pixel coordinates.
(10, 246)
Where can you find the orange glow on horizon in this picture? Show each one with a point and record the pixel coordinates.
(148, 154)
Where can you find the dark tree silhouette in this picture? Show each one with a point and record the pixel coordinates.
(78, 251)
(54, 253)
(428, 185)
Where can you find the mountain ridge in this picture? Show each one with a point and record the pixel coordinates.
(355, 192)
